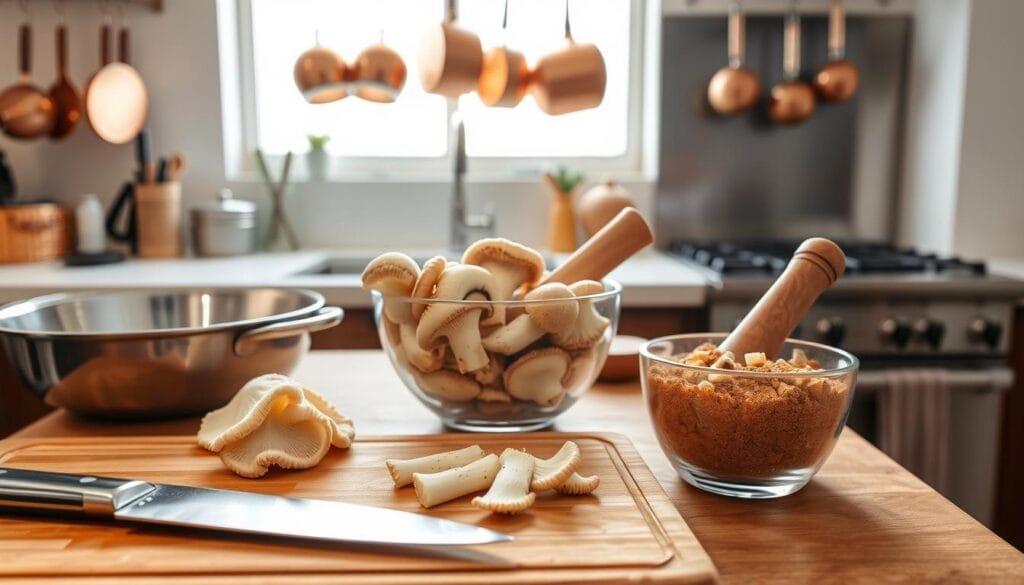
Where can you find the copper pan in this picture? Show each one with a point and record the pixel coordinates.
(450, 58)
(504, 76)
(117, 101)
(25, 110)
(571, 79)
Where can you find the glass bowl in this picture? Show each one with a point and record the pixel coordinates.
(746, 434)
(520, 389)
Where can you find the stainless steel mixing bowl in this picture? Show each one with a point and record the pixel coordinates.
(150, 354)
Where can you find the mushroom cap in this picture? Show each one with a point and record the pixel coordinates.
(393, 273)
(517, 263)
(424, 287)
(552, 316)
(537, 375)
(449, 385)
(585, 288)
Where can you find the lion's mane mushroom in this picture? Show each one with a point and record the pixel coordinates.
(424, 287)
(589, 325)
(512, 265)
(537, 375)
(425, 360)
(395, 274)
(540, 318)
(459, 323)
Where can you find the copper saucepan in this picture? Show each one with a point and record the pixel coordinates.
(67, 103)
(735, 88)
(25, 110)
(505, 75)
(792, 100)
(450, 58)
(838, 79)
(571, 79)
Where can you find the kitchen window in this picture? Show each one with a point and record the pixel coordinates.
(410, 136)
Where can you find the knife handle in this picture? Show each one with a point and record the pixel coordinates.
(86, 494)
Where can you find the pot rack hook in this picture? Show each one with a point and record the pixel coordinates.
(504, 18)
(568, 29)
(23, 4)
(58, 7)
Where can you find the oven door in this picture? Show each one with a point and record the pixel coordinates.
(942, 423)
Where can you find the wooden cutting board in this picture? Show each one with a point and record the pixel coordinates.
(627, 531)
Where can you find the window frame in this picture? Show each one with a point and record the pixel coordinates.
(240, 127)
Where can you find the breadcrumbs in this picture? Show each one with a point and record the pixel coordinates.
(733, 425)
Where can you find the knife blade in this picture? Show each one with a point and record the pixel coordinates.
(230, 511)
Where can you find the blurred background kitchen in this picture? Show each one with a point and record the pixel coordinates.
(210, 167)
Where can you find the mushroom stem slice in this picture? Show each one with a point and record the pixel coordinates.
(510, 493)
(514, 337)
(578, 485)
(436, 488)
(552, 472)
(401, 470)
(464, 338)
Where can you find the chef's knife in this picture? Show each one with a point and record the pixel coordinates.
(230, 511)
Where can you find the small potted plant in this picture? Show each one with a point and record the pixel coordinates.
(317, 159)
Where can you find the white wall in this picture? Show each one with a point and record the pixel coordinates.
(963, 181)
(177, 54)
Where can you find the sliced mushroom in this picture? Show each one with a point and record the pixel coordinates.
(449, 385)
(512, 265)
(424, 287)
(581, 371)
(540, 318)
(589, 325)
(425, 360)
(537, 375)
(393, 274)
(458, 323)
(491, 394)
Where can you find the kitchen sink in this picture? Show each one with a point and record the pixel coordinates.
(349, 265)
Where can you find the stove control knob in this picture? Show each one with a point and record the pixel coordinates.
(896, 331)
(982, 330)
(930, 331)
(831, 330)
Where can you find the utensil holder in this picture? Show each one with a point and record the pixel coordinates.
(158, 208)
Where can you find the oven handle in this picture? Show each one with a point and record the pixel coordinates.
(993, 379)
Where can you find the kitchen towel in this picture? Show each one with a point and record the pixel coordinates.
(913, 421)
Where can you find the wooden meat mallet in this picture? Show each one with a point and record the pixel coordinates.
(626, 234)
(815, 265)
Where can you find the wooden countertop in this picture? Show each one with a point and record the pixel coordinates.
(863, 518)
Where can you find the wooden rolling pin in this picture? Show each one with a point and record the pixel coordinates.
(626, 234)
(815, 265)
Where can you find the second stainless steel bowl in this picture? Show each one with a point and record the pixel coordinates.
(146, 354)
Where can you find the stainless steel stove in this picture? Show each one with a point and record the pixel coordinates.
(912, 318)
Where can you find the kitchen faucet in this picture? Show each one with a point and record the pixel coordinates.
(461, 222)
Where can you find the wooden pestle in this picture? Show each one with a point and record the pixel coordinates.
(815, 265)
(626, 234)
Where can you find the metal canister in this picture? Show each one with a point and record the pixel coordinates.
(226, 227)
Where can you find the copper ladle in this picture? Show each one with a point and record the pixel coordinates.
(735, 88)
(25, 110)
(838, 79)
(67, 104)
(792, 100)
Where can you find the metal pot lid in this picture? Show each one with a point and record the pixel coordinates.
(138, 314)
(226, 205)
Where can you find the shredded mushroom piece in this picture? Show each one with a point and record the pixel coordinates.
(436, 488)
(401, 470)
(510, 493)
(577, 485)
(554, 471)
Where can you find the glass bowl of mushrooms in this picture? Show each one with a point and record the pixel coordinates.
(482, 343)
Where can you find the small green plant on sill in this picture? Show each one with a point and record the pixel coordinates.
(318, 142)
(567, 179)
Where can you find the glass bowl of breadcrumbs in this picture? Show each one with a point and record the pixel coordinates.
(746, 426)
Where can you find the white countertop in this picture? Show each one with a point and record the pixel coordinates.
(649, 279)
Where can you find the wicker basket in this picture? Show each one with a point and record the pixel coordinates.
(34, 232)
